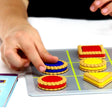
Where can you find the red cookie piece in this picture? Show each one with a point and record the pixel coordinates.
(52, 82)
(91, 51)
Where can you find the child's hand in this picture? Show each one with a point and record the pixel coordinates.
(22, 45)
(104, 5)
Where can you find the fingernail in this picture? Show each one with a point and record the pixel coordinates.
(42, 69)
(104, 10)
(97, 2)
(92, 8)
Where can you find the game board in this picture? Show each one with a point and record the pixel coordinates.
(75, 82)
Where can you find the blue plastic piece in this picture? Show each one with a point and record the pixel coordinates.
(59, 70)
(59, 63)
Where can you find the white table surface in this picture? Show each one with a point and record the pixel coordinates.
(61, 34)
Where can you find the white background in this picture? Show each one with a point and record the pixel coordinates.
(61, 34)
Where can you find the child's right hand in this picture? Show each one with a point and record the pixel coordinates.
(21, 45)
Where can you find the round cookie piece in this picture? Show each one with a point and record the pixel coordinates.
(56, 68)
(52, 82)
(92, 64)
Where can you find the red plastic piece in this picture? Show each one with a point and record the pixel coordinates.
(92, 55)
(91, 48)
(52, 87)
(52, 79)
(91, 51)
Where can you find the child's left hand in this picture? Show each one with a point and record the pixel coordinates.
(104, 5)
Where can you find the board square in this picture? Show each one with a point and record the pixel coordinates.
(91, 51)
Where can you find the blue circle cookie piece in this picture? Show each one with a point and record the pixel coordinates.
(54, 71)
(59, 67)
(59, 63)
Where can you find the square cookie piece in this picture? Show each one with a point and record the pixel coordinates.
(99, 79)
(91, 51)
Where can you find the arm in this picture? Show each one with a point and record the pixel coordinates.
(21, 43)
(104, 5)
(11, 11)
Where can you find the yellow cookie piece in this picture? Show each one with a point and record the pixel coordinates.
(92, 64)
(93, 61)
(93, 68)
(99, 79)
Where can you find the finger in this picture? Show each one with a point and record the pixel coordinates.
(14, 59)
(33, 56)
(17, 69)
(93, 7)
(3, 57)
(5, 61)
(98, 4)
(46, 56)
(107, 9)
(110, 14)
(9, 64)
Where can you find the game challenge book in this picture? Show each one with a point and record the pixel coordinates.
(7, 85)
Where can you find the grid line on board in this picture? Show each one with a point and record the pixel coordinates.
(73, 70)
(108, 56)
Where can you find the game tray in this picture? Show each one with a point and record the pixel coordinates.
(75, 82)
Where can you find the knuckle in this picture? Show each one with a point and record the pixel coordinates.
(27, 47)
(7, 53)
(17, 64)
(45, 53)
(19, 33)
(7, 39)
(20, 65)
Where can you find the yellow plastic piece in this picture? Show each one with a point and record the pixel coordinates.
(99, 79)
(52, 89)
(93, 61)
(92, 64)
(93, 68)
